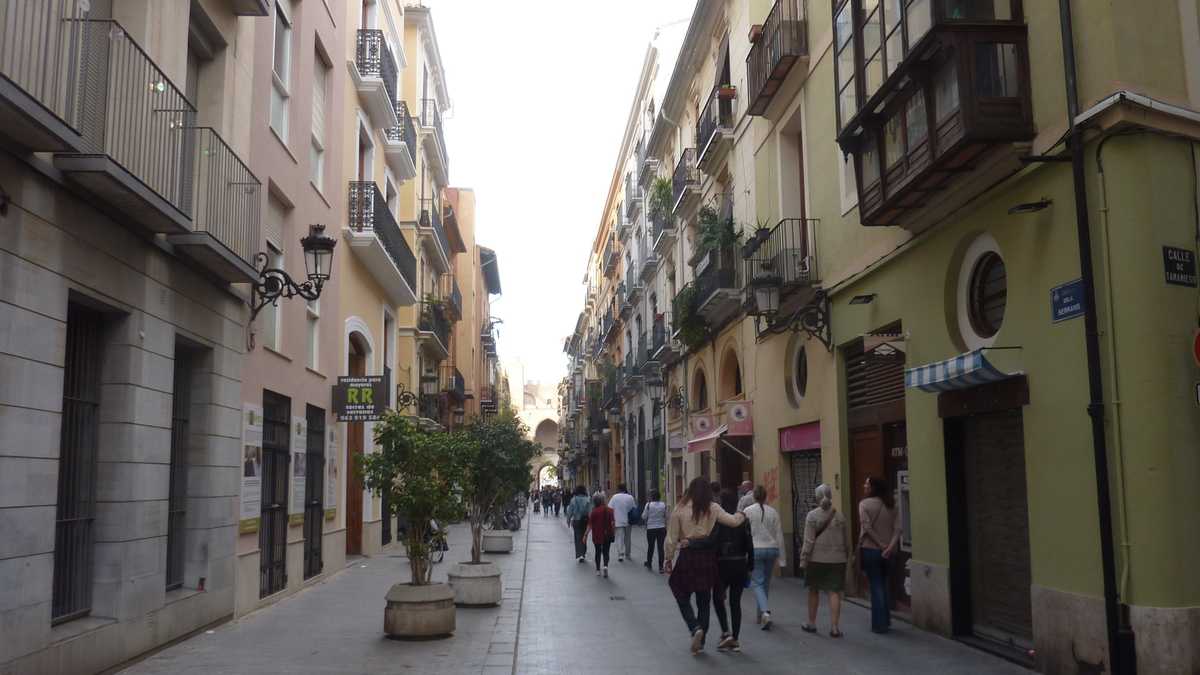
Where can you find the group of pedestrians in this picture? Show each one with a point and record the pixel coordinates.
(548, 498)
(715, 543)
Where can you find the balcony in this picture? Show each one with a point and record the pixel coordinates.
(434, 139)
(633, 377)
(433, 330)
(626, 306)
(633, 199)
(400, 144)
(633, 282)
(376, 239)
(143, 156)
(488, 341)
(624, 225)
(251, 7)
(648, 258)
(647, 365)
(662, 232)
(714, 130)
(685, 184)
(453, 300)
(610, 257)
(784, 256)
(487, 399)
(718, 285)
(429, 408)
(661, 344)
(608, 326)
(647, 165)
(433, 236)
(952, 117)
(452, 383)
(780, 45)
(374, 74)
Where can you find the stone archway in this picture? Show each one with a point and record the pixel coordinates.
(545, 435)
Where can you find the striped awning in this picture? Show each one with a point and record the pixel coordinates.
(961, 372)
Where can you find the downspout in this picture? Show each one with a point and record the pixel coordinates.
(1121, 655)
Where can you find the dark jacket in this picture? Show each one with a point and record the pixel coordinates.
(735, 545)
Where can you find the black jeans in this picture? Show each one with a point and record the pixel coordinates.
(602, 550)
(655, 538)
(578, 527)
(731, 582)
(703, 603)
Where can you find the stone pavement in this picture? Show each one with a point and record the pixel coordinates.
(567, 620)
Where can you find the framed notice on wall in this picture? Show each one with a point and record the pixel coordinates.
(252, 436)
(331, 473)
(299, 463)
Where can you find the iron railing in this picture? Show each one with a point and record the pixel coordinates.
(646, 254)
(431, 217)
(227, 195)
(44, 50)
(643, 351)
(779, 45)
(455, 298)
(647, 165)
(374, 59)
(633, 198)
(406, 132)
(369, 213)
(659, 337)
(429, 406)
(431, 116)
(785, 254)
(686, 175)
(717, 115)
(432, 321)
(720, 272)
(452, 381)
(660, 222)
(610, 256)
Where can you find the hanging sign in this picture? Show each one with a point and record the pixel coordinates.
(1066, 301)
(252, 436)
(360, 399)
(1179, 266)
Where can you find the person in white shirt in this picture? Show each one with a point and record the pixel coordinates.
(767, 531)
(655, 517)
(745, 495)
(621, 503)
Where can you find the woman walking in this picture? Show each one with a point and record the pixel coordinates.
(602, 525)
(735, 559)
(877, 540)
(655, 517)
(696, 570)
(767, 532)
(823, 558)
(577, 513)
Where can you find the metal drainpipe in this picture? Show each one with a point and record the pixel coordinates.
(1121, 655)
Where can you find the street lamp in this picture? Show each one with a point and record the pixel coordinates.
(273, 283)
(459, 415)
(766, 295)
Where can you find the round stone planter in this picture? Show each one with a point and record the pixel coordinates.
(497, 541)
(419, 611)
(476, 584)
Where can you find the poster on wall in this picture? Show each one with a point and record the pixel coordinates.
(299, 445)
(331, 474)
(252, 437)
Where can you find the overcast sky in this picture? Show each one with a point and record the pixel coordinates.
(540, 91)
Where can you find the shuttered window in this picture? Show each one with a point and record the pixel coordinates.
(873, 378)
(320, 96)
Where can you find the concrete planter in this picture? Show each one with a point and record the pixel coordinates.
(419, 611)
(476, 584)
(497, 541)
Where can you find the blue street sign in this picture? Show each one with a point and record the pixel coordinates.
(1066, 301)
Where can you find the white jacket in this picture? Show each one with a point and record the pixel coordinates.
(766, 528)
(621, 503)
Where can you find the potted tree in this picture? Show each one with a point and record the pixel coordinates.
(420, 473)
(495, 465)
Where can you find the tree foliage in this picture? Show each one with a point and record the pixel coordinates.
(495, 469)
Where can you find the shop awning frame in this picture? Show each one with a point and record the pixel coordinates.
(960, 372)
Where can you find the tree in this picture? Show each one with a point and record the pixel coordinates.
(496, 468)
(421, 473)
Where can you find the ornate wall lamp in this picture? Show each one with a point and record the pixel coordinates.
(811, 318)
(274, 283)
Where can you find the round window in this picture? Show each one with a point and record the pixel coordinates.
(988, 295)
(801, 373)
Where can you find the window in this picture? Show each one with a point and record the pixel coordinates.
(945, 94)
(320, 96)
(270, 313)
(177, 484)
(848, 183)
(313, 324)
(281, 70)
(799, 388)
(916, 119)
(847, 95)
(988, 295)
(870, 161)
(701, 402)
(996, 70)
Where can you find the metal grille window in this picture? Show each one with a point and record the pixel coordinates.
(272, 532)
(76, 511)
(314, 491)
(989, 295)
(177, 500)
(872, 379)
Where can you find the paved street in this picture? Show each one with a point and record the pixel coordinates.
(567, 620)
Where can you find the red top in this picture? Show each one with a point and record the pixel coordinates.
(602, 523)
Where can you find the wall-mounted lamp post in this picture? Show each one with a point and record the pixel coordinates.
(274, 283)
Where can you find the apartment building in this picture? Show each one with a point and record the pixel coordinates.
(132, 221)
(881, 209)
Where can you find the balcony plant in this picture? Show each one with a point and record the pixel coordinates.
(714, 233)
(693, 330)
(661, 195)
(726, 92)
(420, 473)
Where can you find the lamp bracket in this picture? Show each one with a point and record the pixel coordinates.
(273, 284)
(404, 398)
(811, 318)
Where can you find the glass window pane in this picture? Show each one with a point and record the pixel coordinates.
(873, 73)
(916, 118)
(848, 101)
(979, 10)
(996, 70)
(918, 19)
(872, 34)
(891, 14)
(844, 28)
(870, 162)
(893, 140)
(845, 65)
(945, 93)
(283, 36)
(895, 51)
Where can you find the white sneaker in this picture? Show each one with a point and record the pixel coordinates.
(597, 572)
(620, 557)
(606, 571)
(697, 640)
(766, 621)
(579, 559)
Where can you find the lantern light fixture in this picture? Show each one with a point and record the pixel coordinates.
(274, 283)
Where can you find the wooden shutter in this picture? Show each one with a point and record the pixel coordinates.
(275, 217)
(320, 89)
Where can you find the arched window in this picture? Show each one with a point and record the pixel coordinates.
(700, 401)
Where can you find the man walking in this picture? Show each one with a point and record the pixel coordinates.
(577, 513)
(621, 504)
(745, 495)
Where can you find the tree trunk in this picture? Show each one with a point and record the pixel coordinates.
(476, 541)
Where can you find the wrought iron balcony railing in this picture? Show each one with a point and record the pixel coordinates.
(369, 213)
(226, 195)
(633, 198)
(685, 178)
(406, 132)
(433, 321)
(374, 59)
(431, 117)
(717, 117)
(779, 45)
(455, 298)
(431, 217)
(786, 254)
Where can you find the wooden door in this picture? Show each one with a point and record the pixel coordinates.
(866, 459)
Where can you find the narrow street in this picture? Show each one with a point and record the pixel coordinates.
(557, 617)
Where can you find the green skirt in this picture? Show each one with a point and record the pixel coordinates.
(826, 576)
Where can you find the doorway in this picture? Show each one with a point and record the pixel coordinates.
(272, 533)
(314, 491)
(354, 450)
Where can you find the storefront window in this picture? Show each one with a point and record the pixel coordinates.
(996, 70)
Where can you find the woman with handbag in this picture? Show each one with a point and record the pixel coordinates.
(695, 572)
(823, 559)
(603, 525)
(877, 541)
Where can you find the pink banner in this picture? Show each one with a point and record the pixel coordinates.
(740, 419)
(701, 425)
(800, 437)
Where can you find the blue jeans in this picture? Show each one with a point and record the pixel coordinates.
(876, 568)
(760, 577)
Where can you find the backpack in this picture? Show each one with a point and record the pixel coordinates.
(635, 515)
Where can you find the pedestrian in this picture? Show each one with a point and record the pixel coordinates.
(823, 559)
(577, 513)
(735, 560)
(655, 517)
(537, 500)
(546, 501)
(745, 495)
(622, 503)
(557, 502)
(601, 524)
(878, 537)
(767, 532)
(695, 572)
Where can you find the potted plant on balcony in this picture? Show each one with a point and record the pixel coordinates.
(693, 331)
(660, 198)
(496, 456)
(419, 472)
(726, 92)
(714, 233)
